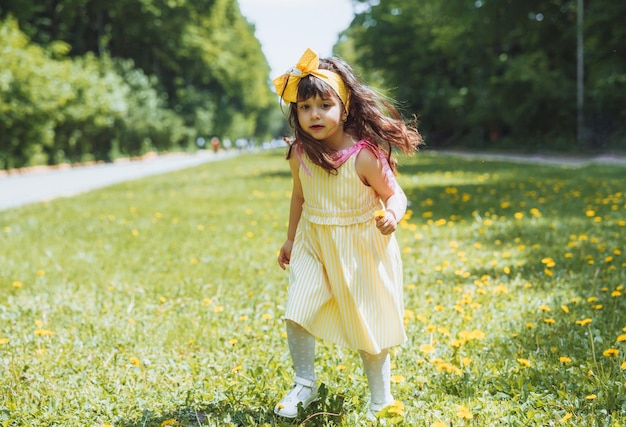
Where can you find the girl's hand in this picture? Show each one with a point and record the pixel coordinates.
(385, 222)
(285, 254)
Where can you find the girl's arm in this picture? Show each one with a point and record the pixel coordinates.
(297, 199)
(377, 174)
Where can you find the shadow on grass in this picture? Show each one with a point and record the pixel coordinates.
(327, 411)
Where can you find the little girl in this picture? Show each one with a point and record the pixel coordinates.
(345, 280)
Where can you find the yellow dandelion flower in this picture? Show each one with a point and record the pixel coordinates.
(464, 412)
(564, 359)
(524, 362)
(544, 308)
(218, 309)
(380, 213)
(584, 322)
(565, 308)
(17, 284)
(237, 368)
(4, 341)
(438, 424)
(610, 352)
(41, 273)
(267, 316)
(232, 341)
(623, 366)
(591, 397)
(135, 361)
(397, 379)
(590, 213)
(566, 417)
(341, 367)
(549, 321)
(43, 332)
(530, 325)
(427, 348)
(621, 338)
(616, 294)
(170, 422)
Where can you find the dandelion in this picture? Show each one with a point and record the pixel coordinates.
(621, 338)
(17, 284)
(565, 308)
(544, 308)
(564, 359)
(438, 424)
(427, 348)
(583, 322)
(566, 417)
(610, 352)
(43, 333)
(623, 366)
(464, 412)
(397, 379)
(218, 309)
(170, 422)
(236, 369)
(549, 321)
(267, 316)
(135, 361)
(591, 397)
(4, 341)
(233, 341)
(524, 362)
(380, 213)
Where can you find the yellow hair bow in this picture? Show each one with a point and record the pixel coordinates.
(287, 84)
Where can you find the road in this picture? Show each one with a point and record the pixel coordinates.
(21, 189)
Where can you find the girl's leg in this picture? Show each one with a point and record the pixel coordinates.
(302, 350)
(378, 371)
(304, 391)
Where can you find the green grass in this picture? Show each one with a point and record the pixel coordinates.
(158, 302)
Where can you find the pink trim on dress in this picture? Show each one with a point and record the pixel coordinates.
(343, 155)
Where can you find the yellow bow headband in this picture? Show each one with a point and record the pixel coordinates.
(287, 84)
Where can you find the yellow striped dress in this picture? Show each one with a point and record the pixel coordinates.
(345, 279)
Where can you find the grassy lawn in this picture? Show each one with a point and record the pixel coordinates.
(158, 302)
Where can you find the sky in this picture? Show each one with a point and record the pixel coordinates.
(286, 28)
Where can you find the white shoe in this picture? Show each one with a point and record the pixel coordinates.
(304, 391)
(375, 408)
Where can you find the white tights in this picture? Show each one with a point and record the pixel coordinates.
(377, 366)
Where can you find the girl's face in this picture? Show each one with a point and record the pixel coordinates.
(322, 118)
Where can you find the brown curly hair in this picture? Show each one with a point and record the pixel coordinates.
(371, 117)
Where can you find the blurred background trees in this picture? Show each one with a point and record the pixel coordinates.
(93, 79)
(497, 74)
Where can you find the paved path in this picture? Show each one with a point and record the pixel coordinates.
(31, 187)
(558, 160)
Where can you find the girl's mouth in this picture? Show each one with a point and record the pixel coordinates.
(317, 127)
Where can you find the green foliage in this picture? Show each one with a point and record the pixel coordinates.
(147, 304)
(128, 77)
(497, 73)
